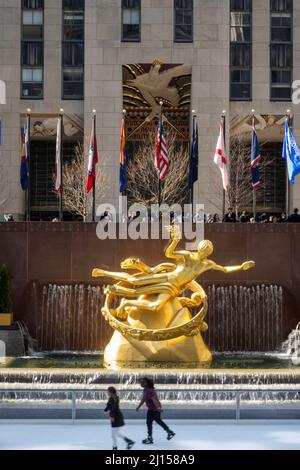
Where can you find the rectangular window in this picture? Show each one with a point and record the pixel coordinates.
(73, 54)
(32, 49)
(281, 5)
(281, 50)
(240, 27)
(32, 53)
(240, 50)
(33, 4)
(73, 49)
(32, 17)
(183, 20)
(131, 20)
(73, 82)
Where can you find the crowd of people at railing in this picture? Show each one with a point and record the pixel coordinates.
(246, 217)
(201, 217)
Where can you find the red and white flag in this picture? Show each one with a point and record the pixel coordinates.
(58, 157)
(161, 157)
(93, 160)
(220, 158)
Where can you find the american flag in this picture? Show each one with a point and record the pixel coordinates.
(161, 157)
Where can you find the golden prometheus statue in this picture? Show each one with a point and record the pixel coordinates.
(153, 323)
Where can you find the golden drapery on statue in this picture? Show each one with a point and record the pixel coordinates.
(153, 323)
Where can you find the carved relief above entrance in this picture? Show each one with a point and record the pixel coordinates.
(145, 85)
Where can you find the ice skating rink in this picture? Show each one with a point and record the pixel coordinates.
(189, 436)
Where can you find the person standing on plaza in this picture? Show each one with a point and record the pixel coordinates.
(199, 217)
(230, 216)
(295, 217)
(154, 410)
(283, 218)
(217, 219)
(244, 218)
(116, 418)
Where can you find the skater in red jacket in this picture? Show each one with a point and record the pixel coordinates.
(154, 410)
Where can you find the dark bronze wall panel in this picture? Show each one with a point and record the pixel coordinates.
(66, 253)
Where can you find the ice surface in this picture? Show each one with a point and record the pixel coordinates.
(189, 436)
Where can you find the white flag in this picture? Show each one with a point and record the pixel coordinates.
(58, 157)
(220, 158)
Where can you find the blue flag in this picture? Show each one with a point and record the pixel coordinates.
(194, 157)
(291, 153)
(255, 160)
(24, 177)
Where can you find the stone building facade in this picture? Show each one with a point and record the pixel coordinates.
(104, 55)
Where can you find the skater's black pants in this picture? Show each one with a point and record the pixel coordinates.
(155, 416)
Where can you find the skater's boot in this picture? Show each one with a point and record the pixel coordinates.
(129, 443)
(149, 440)
(114, 448)
(170, 435)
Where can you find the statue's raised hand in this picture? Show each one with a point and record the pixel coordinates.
(98, 273)
(175, 231)
(248, 265)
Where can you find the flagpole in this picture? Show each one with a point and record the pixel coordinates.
(159, 182)
(124, 193)
(254, 189)
(224, 137)
(191, 146)
(28, 118)
(61, 213)
(94, 182)
(288, 192)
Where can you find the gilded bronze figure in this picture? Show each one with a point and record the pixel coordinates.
(153, 322)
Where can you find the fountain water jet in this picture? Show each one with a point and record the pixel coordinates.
(245, 318)
(240, 318)
(291, 347)
(68, 317)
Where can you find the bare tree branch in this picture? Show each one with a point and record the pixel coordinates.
(240, 196)
(143, 180)
(74, 174)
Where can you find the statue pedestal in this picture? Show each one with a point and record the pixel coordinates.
(122, 352)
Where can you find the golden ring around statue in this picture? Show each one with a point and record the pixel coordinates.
(190, 328)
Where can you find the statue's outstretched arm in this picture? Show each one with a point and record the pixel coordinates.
(232, 269)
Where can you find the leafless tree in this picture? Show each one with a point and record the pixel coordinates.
(143, 182)
(240, 195)
(74, 173)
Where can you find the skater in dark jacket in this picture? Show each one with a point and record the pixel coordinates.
(154, 410)
(116, 418)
